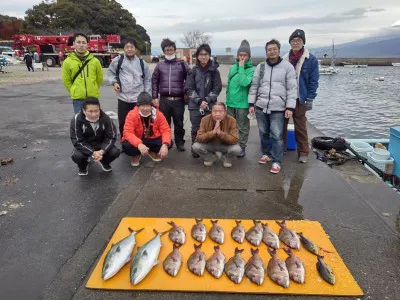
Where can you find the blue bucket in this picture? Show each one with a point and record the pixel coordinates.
(291, 138)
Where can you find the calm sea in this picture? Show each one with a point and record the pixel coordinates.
(358, 106)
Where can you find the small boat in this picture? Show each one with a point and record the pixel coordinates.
(355, 66)
(381, 78)
(396, 64)
(323, 70)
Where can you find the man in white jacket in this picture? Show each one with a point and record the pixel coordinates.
(272, 97)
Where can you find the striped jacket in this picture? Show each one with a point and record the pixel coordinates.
(86, 139)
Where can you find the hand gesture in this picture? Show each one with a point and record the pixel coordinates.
(143, 149)
(242, 61)
(163, 151)
(288, 114)
(117, 88)
(97, 155)
(217, 129)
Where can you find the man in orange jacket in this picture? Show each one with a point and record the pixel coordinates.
(146, 132)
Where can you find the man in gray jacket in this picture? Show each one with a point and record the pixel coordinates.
(272, 97)
(129, 75)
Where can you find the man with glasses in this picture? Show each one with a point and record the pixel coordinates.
(306, 66)
(203, 86)
(129, 75)
(82, 73)
(272, 97)
(168, 85)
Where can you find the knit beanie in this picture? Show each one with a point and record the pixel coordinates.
(298, 33)
(144, 98)
(244, 47)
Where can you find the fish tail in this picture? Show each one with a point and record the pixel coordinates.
(198, 220)
(176, 246)
(136, 231)
(256, 222)
(197, 246)
(287, 251)
(161, 233)
(216, 248)
(271, 252)
(281, 224)
(171, 223)
(214, 221)
(254, 251)
(237, 250)
(238, 221)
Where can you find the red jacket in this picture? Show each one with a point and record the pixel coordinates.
(133, 128)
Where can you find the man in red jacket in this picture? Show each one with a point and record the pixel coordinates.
(146, 132)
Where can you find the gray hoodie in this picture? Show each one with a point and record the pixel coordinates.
(130, 75)
(278, 87)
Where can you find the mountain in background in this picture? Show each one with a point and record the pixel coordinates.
(387, 44)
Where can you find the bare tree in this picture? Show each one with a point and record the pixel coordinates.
(193, 39)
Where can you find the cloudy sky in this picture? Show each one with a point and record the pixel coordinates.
(230, 21)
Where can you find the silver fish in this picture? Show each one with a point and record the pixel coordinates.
(254, 268)
(325, 271)
(288, 236)
(255, 234)
(176, 233)
(234, 268)
(199, 231)
(216, 263)
(197, 261)
(277, 270)
(119, 254)
(309, 244)
(216, 232)
(295, 267)
(146, 258)
(269, 237)
(173, 261)
(238, 232)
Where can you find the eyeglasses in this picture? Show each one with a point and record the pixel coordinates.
(296, 41)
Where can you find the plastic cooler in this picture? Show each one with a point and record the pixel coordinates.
(394, 148)
(290, 138)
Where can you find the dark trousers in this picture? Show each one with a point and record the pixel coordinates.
(154, 145)
(195, 119)
(300, 129)
(123, 109)
(174, 109)
(81, 159)
(30, 66)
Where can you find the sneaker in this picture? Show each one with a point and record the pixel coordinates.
(242, 152)
(209, 163)
(275, 168)
(180, 147)
(303, 159)
(264, 159)
(106, 167)
(135, 161)
(154, 156)
(226, 162)
(83, 171)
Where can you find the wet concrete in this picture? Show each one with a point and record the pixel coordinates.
(50, 244)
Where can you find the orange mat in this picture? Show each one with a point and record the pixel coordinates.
(157, 279)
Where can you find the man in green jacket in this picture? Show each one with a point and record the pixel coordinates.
(239, 81)
(85, 82)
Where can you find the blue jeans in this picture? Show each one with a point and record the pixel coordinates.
(271, 126)
(77, 105)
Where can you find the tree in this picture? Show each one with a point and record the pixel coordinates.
(9, 26)
(193, 39)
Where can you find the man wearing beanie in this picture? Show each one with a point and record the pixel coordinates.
(146, 131)
(306, 66)
(237, 90)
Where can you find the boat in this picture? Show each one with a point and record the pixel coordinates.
(323, 70)
(332, 68)
(381, 78)
(396, 64)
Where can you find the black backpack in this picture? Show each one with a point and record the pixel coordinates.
(121, 59)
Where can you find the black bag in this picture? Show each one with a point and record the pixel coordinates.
(80, 70)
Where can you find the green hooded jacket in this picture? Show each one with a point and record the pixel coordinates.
(239, 81)
(88, 82)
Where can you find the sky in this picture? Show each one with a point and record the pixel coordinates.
(229, 22)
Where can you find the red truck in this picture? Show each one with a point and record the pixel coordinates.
(56, 47)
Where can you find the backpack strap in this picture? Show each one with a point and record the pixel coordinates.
(120, 60)
(260, 78)
(80, 70)
(142, 66)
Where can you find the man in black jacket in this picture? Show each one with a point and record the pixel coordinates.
(93, 134)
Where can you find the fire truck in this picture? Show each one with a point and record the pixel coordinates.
(56, 47)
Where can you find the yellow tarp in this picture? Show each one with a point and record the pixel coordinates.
(157, 279)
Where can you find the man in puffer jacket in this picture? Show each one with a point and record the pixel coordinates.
(203, 86)
(272, 98)
(85, 83)
(168, 83)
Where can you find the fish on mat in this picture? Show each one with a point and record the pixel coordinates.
(173, 262)
(197, 261)
(199, 231)
(325, 271)
(234, 268)
(176, 233)
(269, 237)
(216, 232)
(295, 267)
(216, 263)
(254, 268)
(255, 234)
(238, 232)
(277, 270)
(288, 236)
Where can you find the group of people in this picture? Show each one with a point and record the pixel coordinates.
(276, 90)
(31, 58)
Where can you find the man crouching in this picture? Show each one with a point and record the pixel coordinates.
(93, 134)
(218, 133)
(146, 132)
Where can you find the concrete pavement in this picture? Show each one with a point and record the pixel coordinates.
(51, 243)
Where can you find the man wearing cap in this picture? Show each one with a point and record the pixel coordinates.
(237, 90)
(306, 66)
(146, 131)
